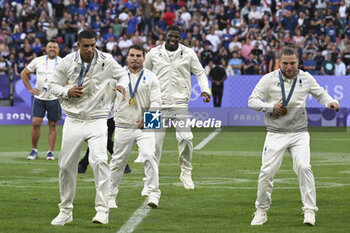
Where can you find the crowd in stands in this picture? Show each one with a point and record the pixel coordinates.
(243, 36)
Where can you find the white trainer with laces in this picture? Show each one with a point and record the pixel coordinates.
(309, 217)
(260, 217)
(62, 218)
(186, 179)
(101, 218)
(112, 204)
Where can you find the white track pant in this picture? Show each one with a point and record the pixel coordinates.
(123, 141)
(184, 137)
(298, 145)
(75, 133)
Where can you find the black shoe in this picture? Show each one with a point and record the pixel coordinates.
(127, 169)
(82, 168)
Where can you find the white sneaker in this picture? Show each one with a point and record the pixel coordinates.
(260, 217)
(112, 204)
(62, 218)
(153, 202)
(186, 179)
(101, 218)
(309, 217)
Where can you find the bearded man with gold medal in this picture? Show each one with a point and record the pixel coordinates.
(285, 92)
(143, 94)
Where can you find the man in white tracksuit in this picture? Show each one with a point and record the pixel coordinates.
(285, 92)
(86, 83)
(142, 95)
(173, 64)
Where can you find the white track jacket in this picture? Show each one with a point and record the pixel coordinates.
(147, 97)
(104, 74)
(174, 75)
(269, 88)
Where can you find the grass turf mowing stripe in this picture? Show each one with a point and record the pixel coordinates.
(135, 219)
(207, 139)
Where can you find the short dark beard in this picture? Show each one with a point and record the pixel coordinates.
(284, 74)
(169, 48)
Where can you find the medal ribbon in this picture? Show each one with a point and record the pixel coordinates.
(81, 75)
(286, 101)
(133, 93)
(46, 63)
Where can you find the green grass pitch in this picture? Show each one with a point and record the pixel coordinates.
(225, 174)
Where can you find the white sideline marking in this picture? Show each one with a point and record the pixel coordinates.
(135, 219)
(207, 139)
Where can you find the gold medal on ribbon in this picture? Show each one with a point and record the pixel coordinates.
(132, 102)
(284, 111)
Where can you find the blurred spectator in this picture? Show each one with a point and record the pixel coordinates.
(124, 44)
(250, 65)
(137, 39)
(334, 53)
(235, 43)
(236, 63)
(189, 41)
(298, 39)
(132, 24)
(254, 13)
(316, 23)
(70, 31)
(37, 47)
(71, 7)
(81, 10)
(111, 43)
(109, 35)
(148, 12)
(51, 32)
(246, 49)
(214, 40)
(310, 64)
(340, 68)
(94, 9)
(208, 67)
(274, 63)
(328, 66)
(169, 16)
(331, 31)
(228, 68)
(319, 58)
(117, 27)
(207, 54)
(257, 51)
(4, 67)
(222, 55)
(132, 5)
(262, 66)
(198, 48)
(221, 18)
(342, 11)
(58, 9)
(288, 21)
(303, 23)
(186, 16)
(160, 23)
